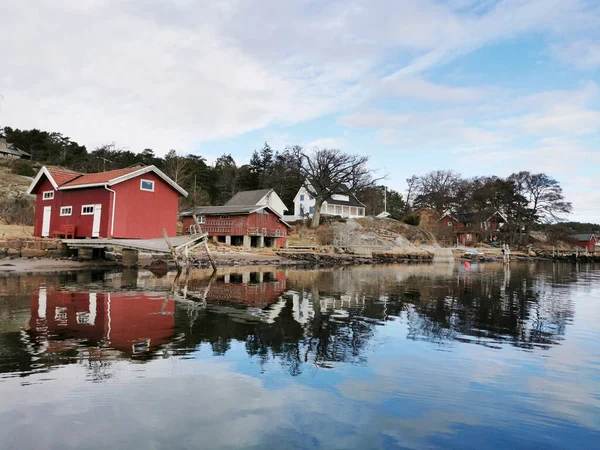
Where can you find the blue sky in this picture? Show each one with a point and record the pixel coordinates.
(476, 86)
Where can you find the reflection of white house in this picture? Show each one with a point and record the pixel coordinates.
(341, 203)
(259, 197)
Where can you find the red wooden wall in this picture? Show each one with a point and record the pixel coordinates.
(75, 198)
(138, 214)
(238, 225)
(142, 214)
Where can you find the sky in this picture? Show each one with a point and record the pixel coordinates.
(480, 87)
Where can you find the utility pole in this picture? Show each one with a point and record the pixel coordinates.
(384, 198)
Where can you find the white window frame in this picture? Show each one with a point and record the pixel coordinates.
(450, 224)
(49, 197)
(83, 213)
(142, 188)
(63, 213)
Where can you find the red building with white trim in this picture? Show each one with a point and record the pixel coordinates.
(586, 240)
(136, 203)
(247, 226)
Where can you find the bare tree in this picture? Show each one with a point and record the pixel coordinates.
(412, 184)
(328, 171)
(546, 198)
(176, 166)
(436, 190)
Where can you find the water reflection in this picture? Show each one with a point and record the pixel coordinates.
(301, 318)
(363, 357)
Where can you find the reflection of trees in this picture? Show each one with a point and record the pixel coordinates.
(528, 307)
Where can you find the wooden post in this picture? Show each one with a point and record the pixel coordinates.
(212, 263)
(173, 252)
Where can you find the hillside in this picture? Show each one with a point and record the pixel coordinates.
(16, 207)
(364, 232)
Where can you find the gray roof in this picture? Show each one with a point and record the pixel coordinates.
(583, 237)
(6, 147)
(218, 210)
(342, 190)
(229, 210)
(353, 201)
(247, 197)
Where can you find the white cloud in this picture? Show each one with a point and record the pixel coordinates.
(172, 73)
(421, 89)
(583, 54)
(330, 142)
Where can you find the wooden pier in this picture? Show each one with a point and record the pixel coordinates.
(178, 247)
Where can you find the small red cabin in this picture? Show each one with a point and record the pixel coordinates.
(135, 203)
(247, 226)
(587, 241)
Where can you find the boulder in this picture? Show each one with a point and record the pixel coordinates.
(32, 253)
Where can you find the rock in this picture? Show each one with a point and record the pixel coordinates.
(14, 252)
(32, 252)
(111, 256)
(57, 253)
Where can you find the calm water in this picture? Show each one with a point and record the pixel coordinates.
(429, 356)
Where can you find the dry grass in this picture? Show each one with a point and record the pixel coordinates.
(15, 231)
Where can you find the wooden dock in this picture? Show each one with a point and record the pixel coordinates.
(158, 245)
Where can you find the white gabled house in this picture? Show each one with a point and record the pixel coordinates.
(261, 197)
(341, 203)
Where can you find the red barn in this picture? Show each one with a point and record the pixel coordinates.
(136, 203)
(587, 241)
(248, 226)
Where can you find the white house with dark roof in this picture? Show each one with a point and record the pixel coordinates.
(259, 197)
(342, 203)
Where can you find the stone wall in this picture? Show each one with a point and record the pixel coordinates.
(33, 248)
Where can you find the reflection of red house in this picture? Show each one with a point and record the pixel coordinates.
(257, 289)
(587, 241)
(248, 226)
(136, 202)
(130, 322)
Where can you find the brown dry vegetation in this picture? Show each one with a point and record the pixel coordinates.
(16, 207)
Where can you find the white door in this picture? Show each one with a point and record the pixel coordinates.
(96, 224)
(46, 221)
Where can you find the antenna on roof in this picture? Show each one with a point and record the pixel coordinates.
(104, 159)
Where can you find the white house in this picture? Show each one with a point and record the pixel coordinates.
(341, 204)
(260, 197)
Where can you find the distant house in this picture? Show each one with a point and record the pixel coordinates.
(586, 240)
(9, 151)
(136, 203)
(469, 229)
(259, 197)
(341, 203)
(245, 225)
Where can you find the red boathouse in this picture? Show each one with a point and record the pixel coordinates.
(247, 226)
(586, 240)
(135, 203)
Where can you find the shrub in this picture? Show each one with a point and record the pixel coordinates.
(17, 209)
(412, 220)
(23, 168)
(324, 234)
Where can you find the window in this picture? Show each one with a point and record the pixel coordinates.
(48, 195)
(224, 217)
(66, 210)
(147, 185)
(310, 197)
(312, 210)
(450, 223)
(302, 197)
(87, 210)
